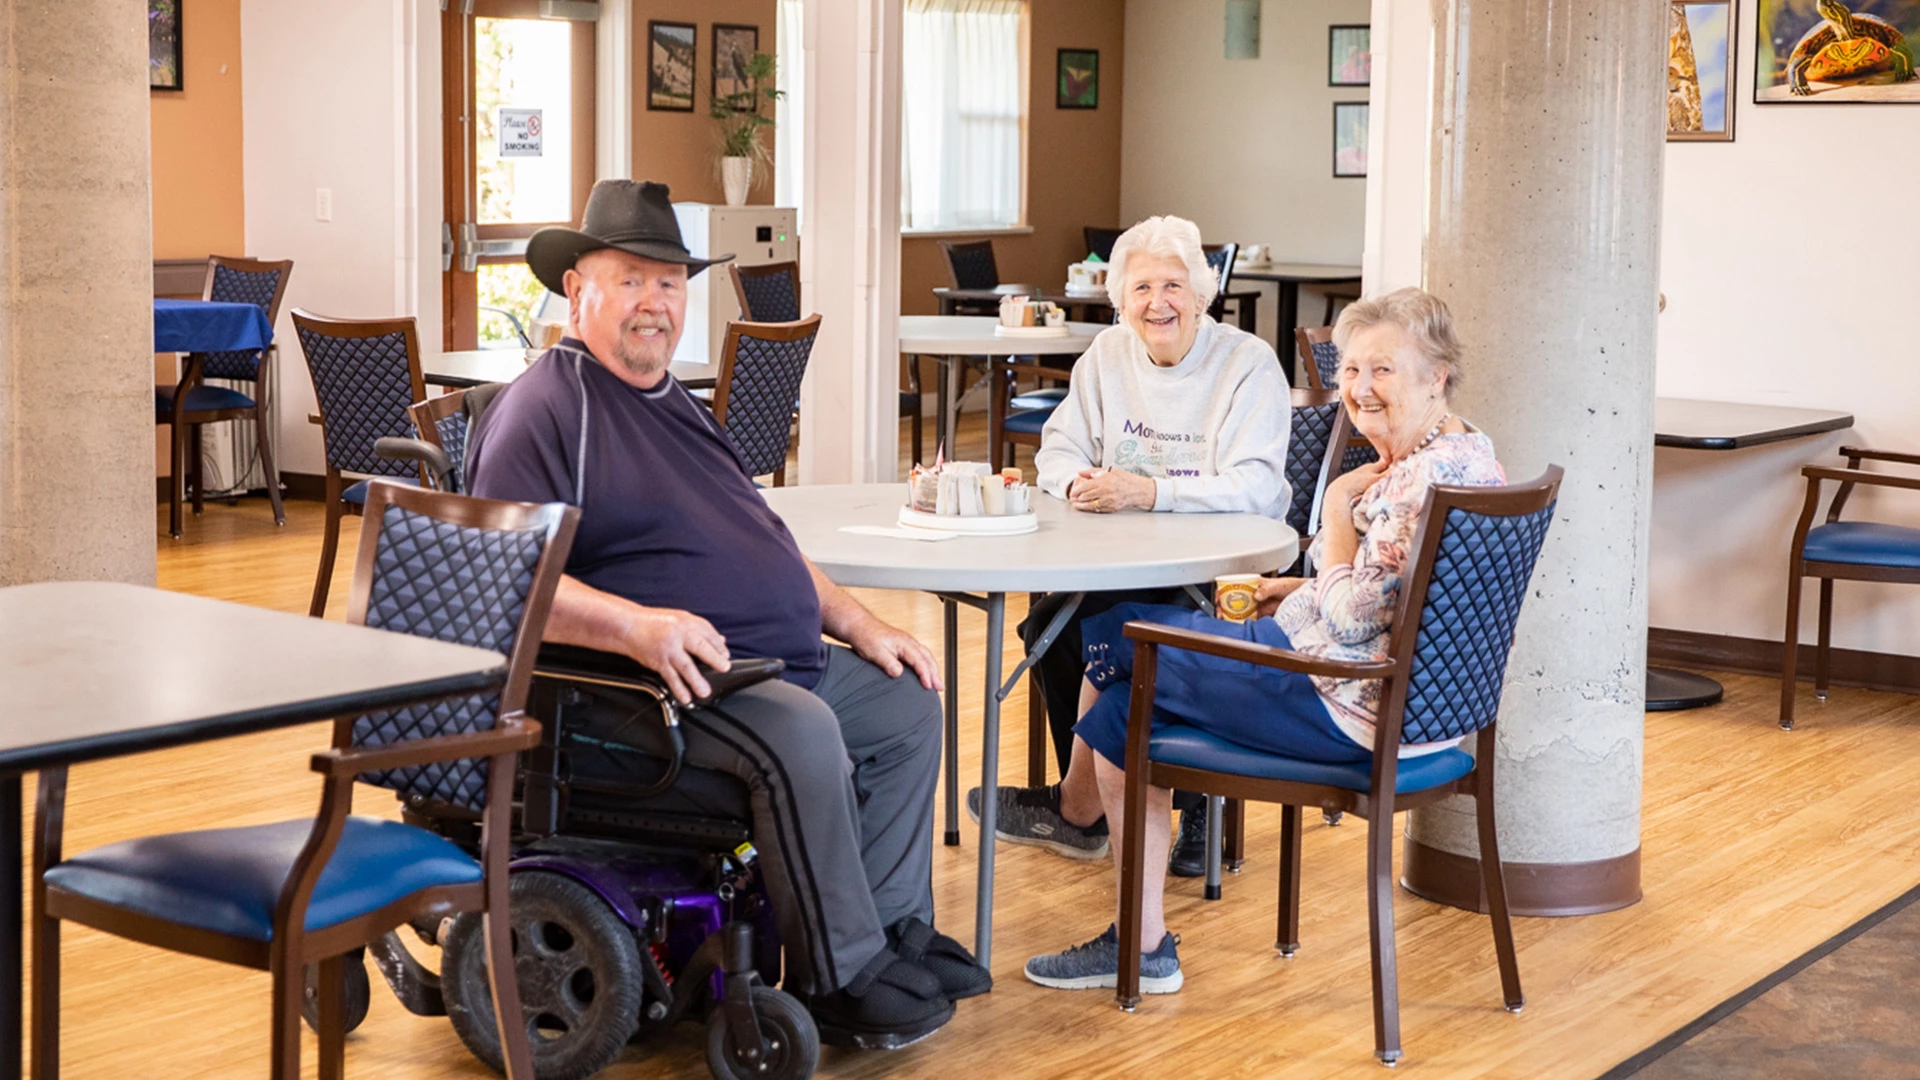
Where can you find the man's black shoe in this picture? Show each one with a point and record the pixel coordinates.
(960, 975)
(1189, 855)
(890, 1004)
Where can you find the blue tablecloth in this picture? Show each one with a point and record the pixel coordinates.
(208, 326)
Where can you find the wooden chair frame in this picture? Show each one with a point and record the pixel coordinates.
(336, 506)
(1799, 566)
(292, 947)
(1377, 805)
(185, 426)
(737, 274)
(781, 332)
(1304, 339)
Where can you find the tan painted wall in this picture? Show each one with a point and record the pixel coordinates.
(198, 203)
(1073, 160)
(681, 149)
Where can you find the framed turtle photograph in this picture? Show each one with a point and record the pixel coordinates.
(1827, 52)
(670, 63)
(1349, 138)
(1700, 37)
(733, 49)
(1077, 79)
(1349, 55)
(166, 69)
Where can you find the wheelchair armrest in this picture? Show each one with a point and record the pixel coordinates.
(573, 661)
(438, 464)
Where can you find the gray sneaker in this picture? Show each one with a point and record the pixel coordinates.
(1031, 816)
(1096, 965)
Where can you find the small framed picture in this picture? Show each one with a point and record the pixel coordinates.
(1808, 53)
(733, 49)
(1700, 71)
(165, 67)
(670, 63)
(1078, 78)
(1349, 55)
(1349, 138)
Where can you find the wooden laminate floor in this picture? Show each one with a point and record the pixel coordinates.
(1758, 845)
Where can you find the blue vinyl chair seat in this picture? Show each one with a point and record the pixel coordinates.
(201, 398)
(1196, 749)
(1864, 543)
(1031, 422)
(1044, 398)
(228, 880)
(357, 493)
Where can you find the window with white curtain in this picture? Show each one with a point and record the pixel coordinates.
(960, 116)
(790, 79)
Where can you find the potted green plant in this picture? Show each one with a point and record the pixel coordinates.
(741, 117)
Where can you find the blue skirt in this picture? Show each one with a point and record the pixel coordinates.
(1261, 708)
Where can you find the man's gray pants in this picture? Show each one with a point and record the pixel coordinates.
(842, 781)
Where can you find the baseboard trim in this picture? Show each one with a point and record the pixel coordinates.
(1533, 889)
(1751, 656)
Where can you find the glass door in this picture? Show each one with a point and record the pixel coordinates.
(518, 111)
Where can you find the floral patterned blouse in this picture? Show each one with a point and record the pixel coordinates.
(1345, 611)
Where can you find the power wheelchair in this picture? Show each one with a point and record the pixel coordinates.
(634, 893)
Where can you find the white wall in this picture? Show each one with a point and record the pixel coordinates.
(1787, 282)
(342, 96)
(1242, 147)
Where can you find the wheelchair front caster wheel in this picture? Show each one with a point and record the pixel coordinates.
(359, 992)
(793, 1042)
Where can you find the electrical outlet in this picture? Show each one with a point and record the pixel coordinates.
(323, 204)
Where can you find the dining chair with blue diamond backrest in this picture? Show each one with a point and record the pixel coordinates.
(443, 426)
(769, 292)
(1472, 558)
(1320, 362)
(190, 402)
(310, 891)
(366, 374)
(1842, 551)
(761, 367)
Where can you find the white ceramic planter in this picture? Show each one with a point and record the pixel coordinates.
(736, 175)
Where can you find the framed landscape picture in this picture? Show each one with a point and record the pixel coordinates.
(670, 63)
(165, 69)
(1349, 55)
(1840, 51)
(733, 49)
(1349, 138)
(1078, 78)
(1700, 38)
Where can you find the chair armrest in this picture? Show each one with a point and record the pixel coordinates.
(436, 460)
(593, 665)
(1860, 476)
(1264, 655)
(515, 734)
(1879, 455)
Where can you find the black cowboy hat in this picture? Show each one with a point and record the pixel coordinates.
(631, 215)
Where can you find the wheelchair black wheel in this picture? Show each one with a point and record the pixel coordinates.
(578, 970)
(359, 992)
(793, 1040)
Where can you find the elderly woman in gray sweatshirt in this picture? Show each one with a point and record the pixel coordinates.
(1167, 411)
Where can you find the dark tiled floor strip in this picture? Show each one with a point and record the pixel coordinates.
(1848, 1008)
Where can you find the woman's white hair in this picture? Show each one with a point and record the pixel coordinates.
(1167, 237)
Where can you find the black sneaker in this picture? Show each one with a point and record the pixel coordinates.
(1189, 855)
(960, 975)
(1031, 816)
(890, 1004)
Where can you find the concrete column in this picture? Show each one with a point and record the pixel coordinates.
(1543, 234)
(850, 247)
(76, 285)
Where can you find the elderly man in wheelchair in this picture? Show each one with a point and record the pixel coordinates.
(680, 568)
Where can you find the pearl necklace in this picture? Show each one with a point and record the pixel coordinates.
(1431, 435)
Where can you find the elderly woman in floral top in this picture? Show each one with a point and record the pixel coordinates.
(1400, 364)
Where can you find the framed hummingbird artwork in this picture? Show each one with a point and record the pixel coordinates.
(1700, 87)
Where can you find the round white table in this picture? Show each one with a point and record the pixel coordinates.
(955, 339)
(1071, 552)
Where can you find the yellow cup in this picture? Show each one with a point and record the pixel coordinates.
(1234, 596)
